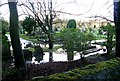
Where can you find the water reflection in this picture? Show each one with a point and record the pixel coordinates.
(56, 57)
(62, 56)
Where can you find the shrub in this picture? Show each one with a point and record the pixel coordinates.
(75, 40)
(110, 36)
(71, 23)
(13, 74)
(5, 47)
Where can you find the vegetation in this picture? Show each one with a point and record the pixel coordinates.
(106, 70)
(71, 39)
(46, 69)
(5, 41)
(5, 47)
(75, 40)
(29, 25)
(71, 23)
(110, 37)
(4, 25)
(30, 38)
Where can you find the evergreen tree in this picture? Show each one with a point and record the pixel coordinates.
(29, 24)
(71, 23)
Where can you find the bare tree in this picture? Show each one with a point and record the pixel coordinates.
(102, 17)
(43, 14)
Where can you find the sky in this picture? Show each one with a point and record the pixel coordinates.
(81, 8)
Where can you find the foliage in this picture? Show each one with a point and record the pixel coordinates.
(34, 39)
(108, 29)
(4, 26)
(74, 40)
(67, 36)
(71, 23)
(106, 70)
(5, 41)
(5, 47)
(110, 36)
(13, 74)
(30, 38)
(97, 33)
(29, 24)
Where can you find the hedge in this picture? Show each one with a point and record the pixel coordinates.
(102, 71)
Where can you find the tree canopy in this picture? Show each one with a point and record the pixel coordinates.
(29, 24)
(71, 23)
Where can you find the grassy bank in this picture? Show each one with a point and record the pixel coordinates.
(102, 71)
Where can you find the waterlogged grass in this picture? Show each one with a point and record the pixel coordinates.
(33, 38)
(30, 38)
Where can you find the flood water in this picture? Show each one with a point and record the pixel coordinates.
(61, 55)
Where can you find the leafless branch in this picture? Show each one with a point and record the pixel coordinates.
(69, 13)
(3, 4)
(60, 11)
(26, 15)
(103, 18)
(25, 6)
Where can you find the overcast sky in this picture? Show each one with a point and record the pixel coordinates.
(85, 7)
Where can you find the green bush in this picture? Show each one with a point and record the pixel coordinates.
(71, 23)
(29, 25)
(110, 36)
(5, 47)
(75, 40)
(102, 71)
(13, 74)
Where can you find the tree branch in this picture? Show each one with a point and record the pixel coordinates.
(3, 4)
(103, 18)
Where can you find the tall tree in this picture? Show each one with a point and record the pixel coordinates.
(117, 25)
(44, 17)
(29, 24)
(14, 34)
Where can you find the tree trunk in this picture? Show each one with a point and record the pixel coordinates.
(50, 35)
(109, 44)
(70, 56)
(117, 25)
(14, 34)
